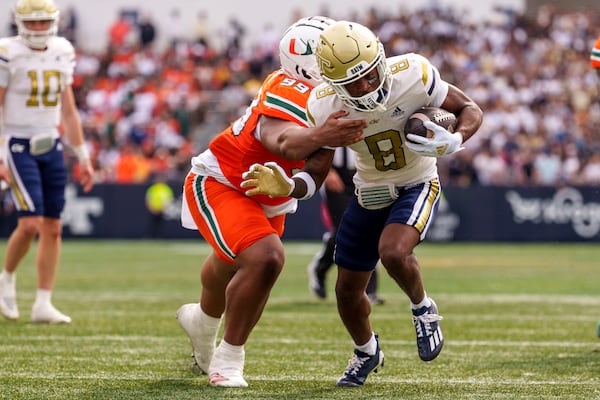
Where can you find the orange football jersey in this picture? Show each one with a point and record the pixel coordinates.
(595, 56)
(238, 146)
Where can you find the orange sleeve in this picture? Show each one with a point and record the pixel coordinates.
(595, 56)
(284, 98)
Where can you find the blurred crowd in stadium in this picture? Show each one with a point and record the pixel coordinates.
(147, 112)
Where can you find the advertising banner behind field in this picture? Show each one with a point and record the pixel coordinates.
(568, 214)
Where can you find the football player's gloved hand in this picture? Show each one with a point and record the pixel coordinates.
(441, 144)
(269, 179)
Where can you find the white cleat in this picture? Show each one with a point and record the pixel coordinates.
(46, 314)
(8, 299)
(231, 380)
(226, 370)
(8, 308)
(203, 347)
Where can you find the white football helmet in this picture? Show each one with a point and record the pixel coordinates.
(348, 51)
(36, 10)
(297, 48)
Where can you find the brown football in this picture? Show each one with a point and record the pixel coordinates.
(442, 117)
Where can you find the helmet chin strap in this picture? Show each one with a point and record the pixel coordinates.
(36, 42)
(376, 104)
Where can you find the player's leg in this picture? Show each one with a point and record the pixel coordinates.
(250, 252)
(356, 257)
(247, 293)
(20, 240)
(49, 246)
(259, 266)
(17, 247)
(410, 216)
(215, 276)
(54, 180)
(48, 252)
(354, 309)
(353, 304)
(201, 321)
(26, 192)
(252, 247)
(396, 251)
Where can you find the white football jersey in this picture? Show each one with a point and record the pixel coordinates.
(382, 157)
(36, 80)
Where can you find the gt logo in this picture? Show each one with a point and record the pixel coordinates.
(17, 148)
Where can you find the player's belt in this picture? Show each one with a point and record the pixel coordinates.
(376, 197)
(41, 144)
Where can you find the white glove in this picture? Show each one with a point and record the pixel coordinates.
(269, 179)
(441, 144)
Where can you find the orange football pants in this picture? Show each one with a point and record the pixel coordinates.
(228, 220)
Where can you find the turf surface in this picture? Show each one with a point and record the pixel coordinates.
(519, 321)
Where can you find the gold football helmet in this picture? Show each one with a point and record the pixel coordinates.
(36, 10)
(347, 52)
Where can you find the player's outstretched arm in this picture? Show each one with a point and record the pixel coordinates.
(270, 179)
(294, 142)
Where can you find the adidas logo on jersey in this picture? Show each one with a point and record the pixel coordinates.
(397, 113)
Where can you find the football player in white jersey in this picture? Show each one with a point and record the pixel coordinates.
(36, 73)
(397, 184)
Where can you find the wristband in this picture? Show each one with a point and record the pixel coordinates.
(311, 186)
(81, 152)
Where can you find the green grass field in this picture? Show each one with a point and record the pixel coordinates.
(519, 321)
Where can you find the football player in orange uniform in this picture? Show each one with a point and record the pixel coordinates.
(245, 232)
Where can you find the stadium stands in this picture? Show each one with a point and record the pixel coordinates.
(531, 75)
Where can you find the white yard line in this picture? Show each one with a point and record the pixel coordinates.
(381, 378)
(172, 339)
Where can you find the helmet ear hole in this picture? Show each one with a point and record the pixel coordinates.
(297, 47)
(303, 73)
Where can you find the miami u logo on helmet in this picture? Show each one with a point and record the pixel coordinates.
(307, 51)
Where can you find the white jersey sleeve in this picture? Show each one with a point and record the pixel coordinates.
(35, 82)
(382, 158)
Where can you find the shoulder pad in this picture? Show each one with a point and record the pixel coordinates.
(60, 44)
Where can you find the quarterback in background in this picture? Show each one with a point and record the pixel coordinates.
(397, 184)
(244, 232)
(36, 73)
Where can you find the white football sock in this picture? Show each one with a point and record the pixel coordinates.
(43, 296)
(370, 347)
(426, 302)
